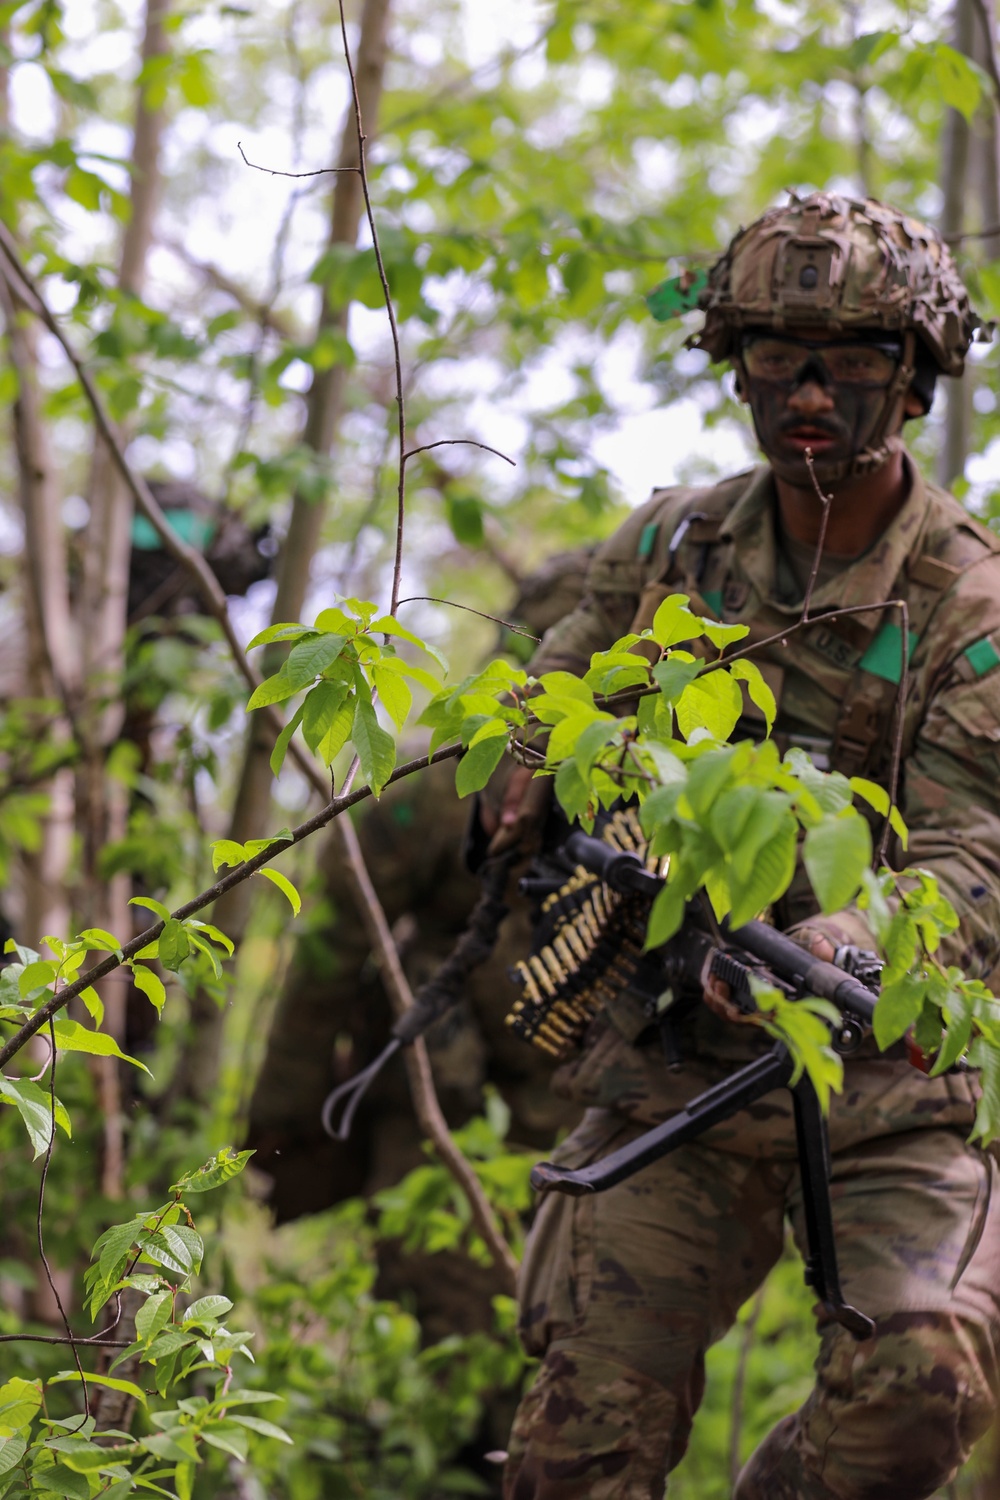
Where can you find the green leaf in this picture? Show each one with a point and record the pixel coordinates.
(573, 794)
(221, 1168)
(228, 1436)
(376, 749)
(278, 633)
(674, 622)
(760, 693)
(666, 916)
(272, 690)
(674, 674)
(149, 983)
(592, 740)
(713, 702)
(394, 693)
(175, 944)
(478, 764)
(340, 730)
(311, 658)
(12, 1450)
(897, 1008)
(986, 1057)
(207, 1309)
(959, 80)
(158, 906)
(283, 741)
(72, 1037)
(110, 1382)
(35, 1108)
(265, 1429)
(154, 1314)
(389, 625)
(319, 711)
(465, 517)
(96, 938)
(875, 795)
(19, 1401)
(836, 853)
(755, 881)
(284, 885)
(898, 826)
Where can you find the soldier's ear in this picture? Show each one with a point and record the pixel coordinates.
(740, 381)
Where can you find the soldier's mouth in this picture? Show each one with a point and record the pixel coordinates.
(819, 439)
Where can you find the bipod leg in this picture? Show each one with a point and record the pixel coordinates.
(745, 1087)
(822, 1273)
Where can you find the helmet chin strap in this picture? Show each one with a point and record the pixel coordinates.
(884, 441)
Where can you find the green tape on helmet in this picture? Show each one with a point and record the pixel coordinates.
(678, 295)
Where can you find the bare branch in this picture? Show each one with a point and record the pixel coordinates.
(826, 501)
(333, 809)
(275, 172)
(451, 603)
(452, 442)
(397, 566)
(38, 1218)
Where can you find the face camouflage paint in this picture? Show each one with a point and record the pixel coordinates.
(828, 397)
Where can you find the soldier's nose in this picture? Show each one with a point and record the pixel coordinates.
(810, 397)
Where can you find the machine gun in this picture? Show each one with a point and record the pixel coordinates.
(595, 921)
(594, 896)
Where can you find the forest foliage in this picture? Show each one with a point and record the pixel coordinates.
(533, 177)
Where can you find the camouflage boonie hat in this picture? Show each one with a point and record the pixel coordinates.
(843, 265)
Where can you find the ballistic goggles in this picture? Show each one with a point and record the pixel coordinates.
(788, 361)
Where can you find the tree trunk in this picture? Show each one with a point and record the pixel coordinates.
(103, 802)
(324, 407)
(955, 159)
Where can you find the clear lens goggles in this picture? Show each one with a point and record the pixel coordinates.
(784, 361)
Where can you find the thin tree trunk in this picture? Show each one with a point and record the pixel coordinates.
(103, 802)
(955, 160)
(324, 407)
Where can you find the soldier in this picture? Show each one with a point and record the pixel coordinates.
(837, 317)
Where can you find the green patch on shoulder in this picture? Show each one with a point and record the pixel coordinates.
(884, 657)
(982, 656)
(647, 540)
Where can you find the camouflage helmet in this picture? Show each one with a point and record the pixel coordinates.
(844, 265)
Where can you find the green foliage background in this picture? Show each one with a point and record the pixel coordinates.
(529, 194)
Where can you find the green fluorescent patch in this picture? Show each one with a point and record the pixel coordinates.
(197, 531)
(884, 656)
(648, 539)
(678, 295)
(982, 656)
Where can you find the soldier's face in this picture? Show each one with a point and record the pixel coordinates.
(810, 391)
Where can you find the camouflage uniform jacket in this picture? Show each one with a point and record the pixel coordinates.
(837, 683)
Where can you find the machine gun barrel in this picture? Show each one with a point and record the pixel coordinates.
(812, 976)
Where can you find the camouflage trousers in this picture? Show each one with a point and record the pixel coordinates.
(623, 1292)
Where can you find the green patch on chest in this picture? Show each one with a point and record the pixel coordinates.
(884, 657)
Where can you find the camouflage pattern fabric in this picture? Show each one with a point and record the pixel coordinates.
(623, 1292)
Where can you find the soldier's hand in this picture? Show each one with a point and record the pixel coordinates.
(521, 813)
(715, 993)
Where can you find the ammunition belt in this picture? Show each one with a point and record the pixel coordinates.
(588, 948)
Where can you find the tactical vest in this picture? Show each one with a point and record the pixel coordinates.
(684, 548)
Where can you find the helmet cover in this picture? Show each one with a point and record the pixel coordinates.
(843, 265)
